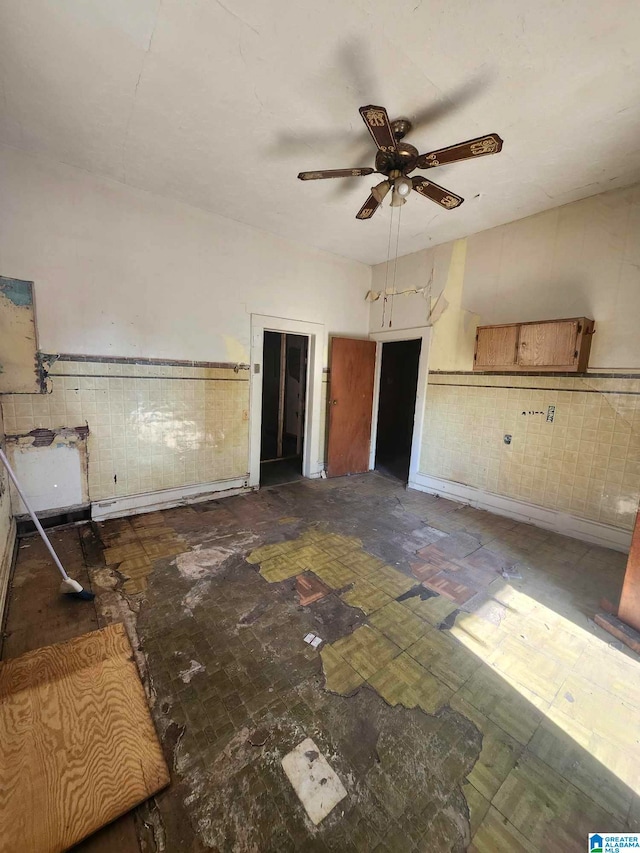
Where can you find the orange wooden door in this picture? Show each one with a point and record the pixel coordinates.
(352, 368)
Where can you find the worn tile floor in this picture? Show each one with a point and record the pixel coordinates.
(460, 709)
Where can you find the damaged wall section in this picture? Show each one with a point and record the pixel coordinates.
(153, 424)
(52, 468)
(19, 367)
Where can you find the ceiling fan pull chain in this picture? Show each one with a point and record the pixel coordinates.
(395, 267)
(386, 275)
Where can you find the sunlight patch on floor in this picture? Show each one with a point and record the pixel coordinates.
(587, 688)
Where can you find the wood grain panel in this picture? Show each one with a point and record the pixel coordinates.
(545, 346)
(629, 609)
(548, 344)
(496, 346)
(350, 406)
(77, 745)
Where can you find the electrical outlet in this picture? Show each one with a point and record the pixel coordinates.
(507, 439)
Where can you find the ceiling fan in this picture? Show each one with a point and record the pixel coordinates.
(396, 159)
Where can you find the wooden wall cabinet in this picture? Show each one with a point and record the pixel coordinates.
(550, 345)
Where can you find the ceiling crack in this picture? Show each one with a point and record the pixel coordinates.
(135, 93)
(237, 17)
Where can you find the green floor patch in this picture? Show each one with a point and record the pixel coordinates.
(398, 624)
(339, 676)
(366, 650)
(399, 654)
(403, 681)
(366, 597)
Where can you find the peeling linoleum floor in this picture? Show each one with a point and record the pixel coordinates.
(461, 709)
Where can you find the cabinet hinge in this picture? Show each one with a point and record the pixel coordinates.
(575, 354)
(579, 329)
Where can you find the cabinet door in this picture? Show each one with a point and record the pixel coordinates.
(548, 344)
(496, 346)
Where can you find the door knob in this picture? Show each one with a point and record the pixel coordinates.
(334, 402)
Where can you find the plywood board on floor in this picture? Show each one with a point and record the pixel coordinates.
(78, 747)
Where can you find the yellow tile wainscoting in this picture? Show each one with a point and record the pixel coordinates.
(585, 462)
(151, 426)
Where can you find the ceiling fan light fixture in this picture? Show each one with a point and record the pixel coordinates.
(397, 200)
(403, 186)
(380, 191)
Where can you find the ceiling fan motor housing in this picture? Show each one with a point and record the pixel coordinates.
(400, 127)
(403, 160)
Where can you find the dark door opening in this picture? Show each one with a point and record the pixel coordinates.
(284, 388)
(396, 407)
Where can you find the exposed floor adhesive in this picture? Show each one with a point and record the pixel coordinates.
(196, 595)
(114, 605)
(194, 668)
(201, 562)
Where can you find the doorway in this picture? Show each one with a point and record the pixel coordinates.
(397, 407)
(284, 388)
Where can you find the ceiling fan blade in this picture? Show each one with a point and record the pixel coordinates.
(379, 127)
(438, 194)
(335, 173)
(490, 144)
(343, 188)
(368, 208)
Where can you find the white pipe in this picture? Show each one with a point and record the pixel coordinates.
(33, 516)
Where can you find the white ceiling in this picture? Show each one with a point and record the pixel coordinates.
(220, 103)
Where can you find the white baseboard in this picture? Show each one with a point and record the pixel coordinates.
(6, 564)
(550, 519)
(167, 498)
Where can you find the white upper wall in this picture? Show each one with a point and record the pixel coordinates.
(582, 259)
(123, 272)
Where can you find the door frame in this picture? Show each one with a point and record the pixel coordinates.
(424, 334)
(315, 332)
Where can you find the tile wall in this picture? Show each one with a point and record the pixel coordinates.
(151, 425)
(585, 462)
